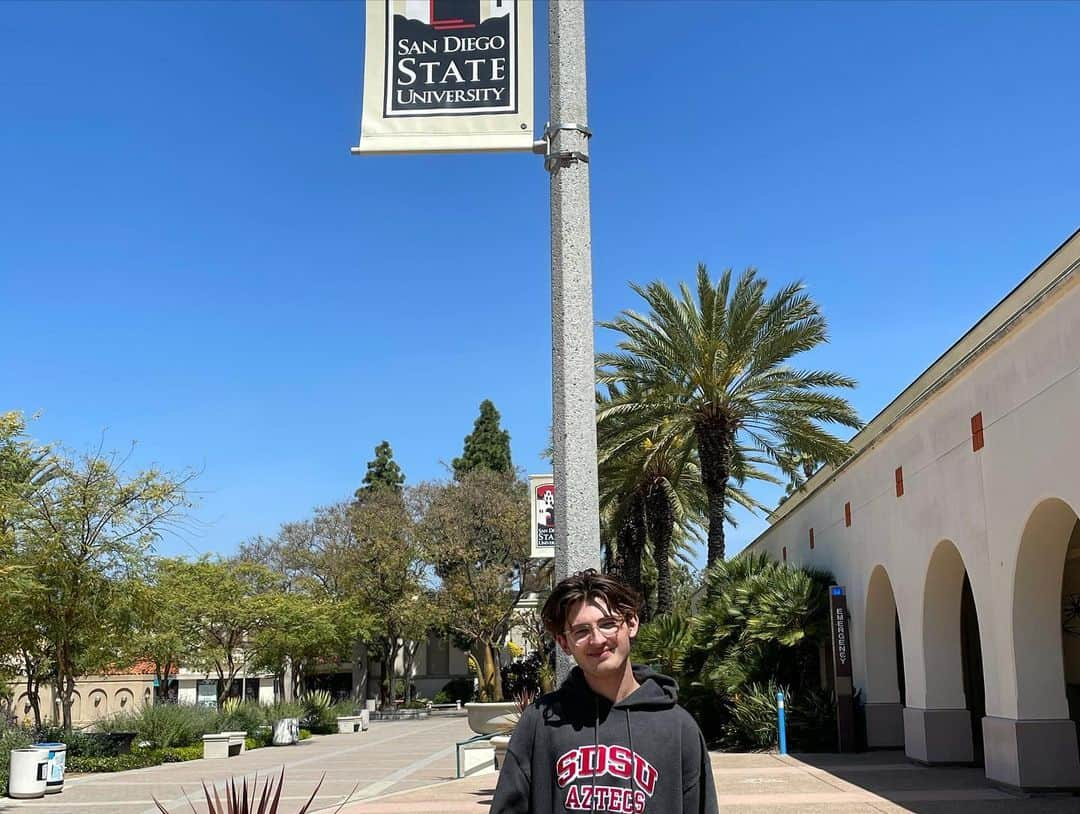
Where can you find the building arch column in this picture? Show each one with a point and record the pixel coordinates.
(884, 680)
(939, 725)
(1038, 748)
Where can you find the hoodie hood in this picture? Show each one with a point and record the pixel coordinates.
(576, 704)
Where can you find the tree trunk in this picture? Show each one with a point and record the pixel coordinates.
(409, 649)
(714, 449)
(67, 700)
(661, 524)
(33, 689)
(490, 679)
(631, 544)
(359, 672)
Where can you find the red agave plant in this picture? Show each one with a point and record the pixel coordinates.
(256, 800)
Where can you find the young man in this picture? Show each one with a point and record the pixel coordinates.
(611, 738)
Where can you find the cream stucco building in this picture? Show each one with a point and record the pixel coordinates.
(954, 529)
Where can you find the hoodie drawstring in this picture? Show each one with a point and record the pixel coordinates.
(596, 745)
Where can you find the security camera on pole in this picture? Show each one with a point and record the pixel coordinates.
(456, 76)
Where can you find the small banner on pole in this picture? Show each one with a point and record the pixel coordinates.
(447, 76)
(542, 496)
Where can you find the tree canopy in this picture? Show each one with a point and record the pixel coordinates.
(487, 446)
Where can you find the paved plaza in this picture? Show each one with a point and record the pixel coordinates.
(389, 757)
(874, 783)
(408, 768)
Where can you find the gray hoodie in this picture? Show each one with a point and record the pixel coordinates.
(574, 750)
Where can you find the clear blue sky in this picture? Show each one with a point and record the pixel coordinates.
(190, 257)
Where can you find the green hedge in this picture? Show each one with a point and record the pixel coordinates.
(136, 759)
(10, 739)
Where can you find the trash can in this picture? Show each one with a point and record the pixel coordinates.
(54, 784)
(29, 772)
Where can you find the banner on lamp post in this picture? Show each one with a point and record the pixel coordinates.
(542, 498)
(447, 76)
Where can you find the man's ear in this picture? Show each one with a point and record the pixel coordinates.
(632, 625)
(563, 644)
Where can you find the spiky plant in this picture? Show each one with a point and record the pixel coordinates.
(242, 799)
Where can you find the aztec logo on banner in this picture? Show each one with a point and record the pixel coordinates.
(447, 76)
(542, 491)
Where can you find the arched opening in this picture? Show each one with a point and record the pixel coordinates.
(952, 648)
(1046, 628)
(1070, 625)
(884, 691)
(972, 664)
(1035, 742)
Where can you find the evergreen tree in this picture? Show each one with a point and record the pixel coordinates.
(487, 447)
(382, 472)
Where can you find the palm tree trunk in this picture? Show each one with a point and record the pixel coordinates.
(714, 449)
(661, 525)
(632, 537)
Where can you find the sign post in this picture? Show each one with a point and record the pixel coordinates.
(577, 533)
(842, 675)
(454, 76)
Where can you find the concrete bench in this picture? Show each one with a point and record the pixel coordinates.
(217, 745)
(354, 723)
(238, 735)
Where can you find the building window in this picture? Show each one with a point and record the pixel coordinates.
(899, 481)
(976, 432)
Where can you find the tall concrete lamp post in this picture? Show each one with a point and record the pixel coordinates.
(566, 156)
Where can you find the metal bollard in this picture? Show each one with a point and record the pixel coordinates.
(781, 727)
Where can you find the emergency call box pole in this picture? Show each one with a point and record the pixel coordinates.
(842, 674)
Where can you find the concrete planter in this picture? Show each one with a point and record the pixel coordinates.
(286, 732)
(500, 744)
(492, 718)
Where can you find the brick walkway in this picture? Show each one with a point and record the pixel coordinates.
(408, 768)
(389, 757)
(875, 783)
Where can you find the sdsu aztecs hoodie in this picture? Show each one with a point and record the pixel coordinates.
(574, 750)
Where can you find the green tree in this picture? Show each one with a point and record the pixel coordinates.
(159, 635)
(717, 366)
(384, 572)
(383, 472)
(651, 491)
(300, 631)
(476, 531)
(84, 533)
(221, 608)
(487, 446)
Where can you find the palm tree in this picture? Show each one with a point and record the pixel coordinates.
(652, 491)
(715, 367)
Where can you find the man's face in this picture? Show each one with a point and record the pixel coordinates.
(597, 638)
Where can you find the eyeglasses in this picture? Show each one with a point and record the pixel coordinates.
(608, 628)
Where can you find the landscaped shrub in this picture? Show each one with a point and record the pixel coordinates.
(240, 716)
(752, 721)
(135, 759)
(457, 689)
(165, 725)
(522, 676)
(14, 738)
(760, 624)
(319, 712)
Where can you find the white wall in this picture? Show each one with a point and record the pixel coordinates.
(1027, 387)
